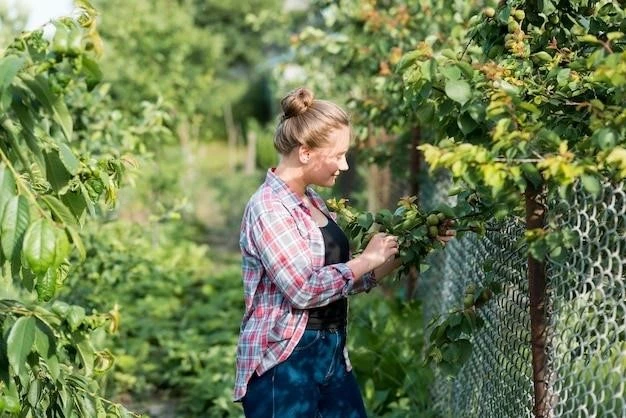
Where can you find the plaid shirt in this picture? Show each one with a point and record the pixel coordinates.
(283, 275)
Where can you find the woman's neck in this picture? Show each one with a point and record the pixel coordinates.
(293, 176)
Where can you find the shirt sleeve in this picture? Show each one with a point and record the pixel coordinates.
(367, 283)
(287, 260)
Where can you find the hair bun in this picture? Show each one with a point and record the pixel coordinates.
(296, 102)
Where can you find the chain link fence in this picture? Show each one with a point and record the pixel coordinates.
(586, 339)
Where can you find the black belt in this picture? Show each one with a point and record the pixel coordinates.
(329, 325)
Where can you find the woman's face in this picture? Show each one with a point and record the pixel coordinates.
(325, 163)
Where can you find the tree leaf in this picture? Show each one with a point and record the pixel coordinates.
(75, 201)
(61, 212)
(20, 341)
(93, 74)
(53, 104)
(39, 246)
(28, 125)
(459, 91)
(56, 173)
(9, 67)
(7, 187)
(87, 353)
(591, 184)
(75, 316)
(68, 159)
(532, 174)
(14, 222)
(466, 123)
(78, 242)
(44, 340)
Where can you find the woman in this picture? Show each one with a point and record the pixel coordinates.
(297, 272)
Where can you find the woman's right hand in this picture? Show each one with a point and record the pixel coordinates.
(380, 248)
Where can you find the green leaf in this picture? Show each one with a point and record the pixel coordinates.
(562, 76)
(451, 73)
(7, 187)
(466, 123)
(504, 13)
(9, 67)
(61, 212)
(93, 74)
(53, 366)
(20, 341)
(34, 393)
(547, 6)
(44, 340)
(55, 105)
(459, 91)
(27, 121)
(78, 242)
(605, 138)
(68, 159)
(468, 70)
(56, 173)
(40, 246)
(87, 353)
(75, 316)
(532, 174)
(591, 184)
(14, 222)
(75, 201)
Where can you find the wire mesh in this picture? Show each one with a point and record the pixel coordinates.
(586, 313)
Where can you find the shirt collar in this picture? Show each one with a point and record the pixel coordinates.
(285, 194)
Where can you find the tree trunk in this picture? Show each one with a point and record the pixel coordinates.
(251, 154)
(535, 218)
(379, 181)
(231, 131)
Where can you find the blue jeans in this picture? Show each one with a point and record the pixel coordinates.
(312, 383)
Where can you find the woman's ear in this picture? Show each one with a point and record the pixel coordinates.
(304, 154)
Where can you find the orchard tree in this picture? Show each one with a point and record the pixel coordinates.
(521, 103)
(63, 154)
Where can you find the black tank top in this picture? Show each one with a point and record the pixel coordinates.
(337, 250)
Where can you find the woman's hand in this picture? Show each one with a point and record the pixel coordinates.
(380, 248)
(446, 236)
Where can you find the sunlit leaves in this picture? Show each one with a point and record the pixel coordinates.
(459, 91)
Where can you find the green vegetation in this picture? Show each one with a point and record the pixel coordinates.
(133, 133)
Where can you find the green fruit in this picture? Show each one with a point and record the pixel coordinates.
(543, 56)
(489, 12)
(432, 219)
(513, 26)
(441, 216)
(433, 231)
(468, 300)
(519, 15)
(471, 288)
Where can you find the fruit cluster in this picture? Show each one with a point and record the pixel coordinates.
(417, 230)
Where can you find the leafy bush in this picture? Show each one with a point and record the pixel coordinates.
(386, 343)
(180, 316)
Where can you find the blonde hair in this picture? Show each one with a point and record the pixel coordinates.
(306, 121)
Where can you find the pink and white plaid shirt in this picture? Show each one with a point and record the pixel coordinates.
(283, 275)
